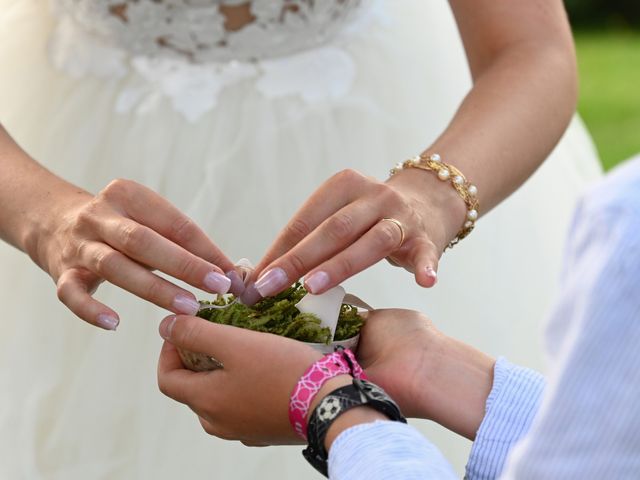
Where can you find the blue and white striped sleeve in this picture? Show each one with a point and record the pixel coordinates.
(510, 409)
(589, 422)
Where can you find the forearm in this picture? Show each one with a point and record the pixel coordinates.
(429, 374)
(524, 94)
(516, 112)
(27, 193)
(456, 381)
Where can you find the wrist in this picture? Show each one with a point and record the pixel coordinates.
(348, 419)
(458, 379)
(331, 370)
(337, 403)
(46, 216)
(439, 202)
(329, 386)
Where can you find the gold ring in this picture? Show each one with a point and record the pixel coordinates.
(399, 224)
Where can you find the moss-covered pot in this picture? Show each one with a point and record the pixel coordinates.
(201, 362)
(278, 315)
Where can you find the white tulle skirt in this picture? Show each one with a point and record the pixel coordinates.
(77, 402)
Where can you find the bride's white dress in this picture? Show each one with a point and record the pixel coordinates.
(237, 128)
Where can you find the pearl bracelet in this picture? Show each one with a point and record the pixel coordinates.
(446, 172)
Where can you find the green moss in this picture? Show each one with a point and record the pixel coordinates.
(279, 315)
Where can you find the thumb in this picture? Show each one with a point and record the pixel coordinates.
(200, 336)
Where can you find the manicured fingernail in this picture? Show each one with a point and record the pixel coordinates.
(432, 273)
(250, 296)
(272, 282)
(237, 285)
(216, 282)
(316, 282)
(108, 322)
(186, 305)
(166, 326)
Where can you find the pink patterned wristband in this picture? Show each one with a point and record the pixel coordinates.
(342, 362)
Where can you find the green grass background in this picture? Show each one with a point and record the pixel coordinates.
(609, 65)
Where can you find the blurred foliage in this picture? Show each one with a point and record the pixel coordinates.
(604, 13)
(609, 64)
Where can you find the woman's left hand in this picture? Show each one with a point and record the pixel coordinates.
(352, 221)
(247, 400)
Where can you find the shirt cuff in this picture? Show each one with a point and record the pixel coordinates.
(511, 407)
(386, 450)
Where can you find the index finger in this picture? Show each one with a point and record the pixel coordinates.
(151, 209)
(332, 195)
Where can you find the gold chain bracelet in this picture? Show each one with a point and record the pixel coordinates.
(446, 172)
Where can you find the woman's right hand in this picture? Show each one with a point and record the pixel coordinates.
(121, 235)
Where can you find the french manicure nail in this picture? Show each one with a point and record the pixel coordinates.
(108, 322)
(250, 296)
(216, 282)
(272, 282)
(432, 273)
(186, 305)
(166, 326)
(317, 281)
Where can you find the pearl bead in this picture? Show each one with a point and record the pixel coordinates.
(435, 157)
(399, 166)
(416, 159)
(468, 224)
(472, 215)
(443, 174)
(458, 180)
(473, 190)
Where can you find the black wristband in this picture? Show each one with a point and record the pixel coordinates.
(359, 393)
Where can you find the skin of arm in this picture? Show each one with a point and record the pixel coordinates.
(522, 61)
(525, 87)
(429, 374)
(456, 380)
(25, 210)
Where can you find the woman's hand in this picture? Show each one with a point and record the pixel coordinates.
(247, 400)
(345, 227)
(120, 235)
(428, 374)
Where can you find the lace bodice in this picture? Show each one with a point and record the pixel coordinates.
(189, 51)
(211, 30)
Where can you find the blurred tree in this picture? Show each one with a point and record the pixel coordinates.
(604, 13)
